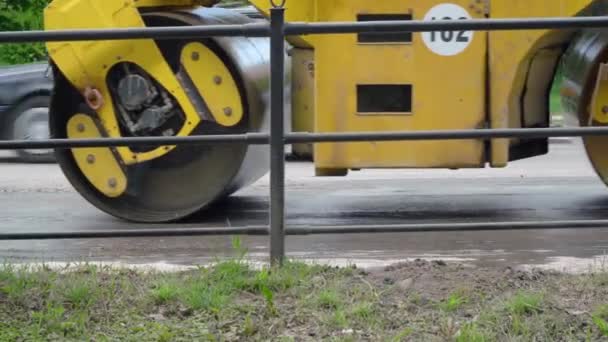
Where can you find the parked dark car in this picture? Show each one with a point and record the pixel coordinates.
(25, 92)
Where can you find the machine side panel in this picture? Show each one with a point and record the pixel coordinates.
(295, 10)
(368, 85)
(511, 59)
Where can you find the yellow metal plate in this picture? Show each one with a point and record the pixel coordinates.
(98, 164)
(448, 92)
(302, 96)
(599, 101)
(214, 82)
(510, 53)
(86, 64)
(295, 10)
(158, 3)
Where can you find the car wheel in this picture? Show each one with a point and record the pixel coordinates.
(30, 121)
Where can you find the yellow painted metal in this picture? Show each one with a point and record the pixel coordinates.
(302, 96)
(510, 54)
(493, 82)
(214, 82)
(448, 92)
(595, 146)
(295, 10)
(86, 64)
(98, 164)
(163, 3)
(599, 100)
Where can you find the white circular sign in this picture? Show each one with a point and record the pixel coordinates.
(447, 43)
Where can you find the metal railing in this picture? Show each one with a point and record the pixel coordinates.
(277, 30)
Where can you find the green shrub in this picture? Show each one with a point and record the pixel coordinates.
(27, 15)
(21, 15)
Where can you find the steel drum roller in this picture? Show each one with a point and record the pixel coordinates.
(188, 178)
(581, 64)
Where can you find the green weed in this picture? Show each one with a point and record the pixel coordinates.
(363, 312)
(249, 327)
(261, 280)
(600, 279)
(453, 302)
(203, 296)
(519, 326)
(600, 319)
(80, 293)
(337, 320)
(471, 333)
(525, 303)
(18, 283)
(402, 335)
(50, 318)
(165, 292)
(329, 299)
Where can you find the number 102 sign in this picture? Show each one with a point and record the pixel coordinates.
(447, 43)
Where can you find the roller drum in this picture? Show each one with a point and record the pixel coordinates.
(580, 69)
(188, 178)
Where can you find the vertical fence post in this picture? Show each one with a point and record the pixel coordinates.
(277, 143)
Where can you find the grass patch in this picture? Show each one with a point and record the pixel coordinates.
(231, 301)
(165, 292)
(471, 333)
(453, 302)
(600, 319)
(364, 312)
(525, 303)
(329, 299)
(81, 293)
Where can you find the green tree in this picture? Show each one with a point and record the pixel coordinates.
(21, 15)
(27, 15)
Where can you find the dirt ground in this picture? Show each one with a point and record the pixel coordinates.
(439, 301)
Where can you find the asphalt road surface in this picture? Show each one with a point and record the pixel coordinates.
(560, 185)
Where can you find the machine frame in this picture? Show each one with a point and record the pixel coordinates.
(336, 82)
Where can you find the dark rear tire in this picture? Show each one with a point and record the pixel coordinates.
(30, 121)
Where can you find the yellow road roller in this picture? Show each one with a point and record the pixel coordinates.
(371, 82)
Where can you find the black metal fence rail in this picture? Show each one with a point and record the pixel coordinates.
(298, 28)
(300, 138)
(311, 230)
(277, 30)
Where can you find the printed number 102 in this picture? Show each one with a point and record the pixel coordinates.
(449, 36)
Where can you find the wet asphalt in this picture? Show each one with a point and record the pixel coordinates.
(560, 185)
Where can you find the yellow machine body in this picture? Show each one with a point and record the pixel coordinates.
(498, 80)
(369, 82)
(98, 163)
(521, 67)
(303, 96)
(86, 64)
(143, 87)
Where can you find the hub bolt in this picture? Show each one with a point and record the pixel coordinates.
(195, 56)
(112, 182)
(217, 80)
(90, 159)
(228, 111)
